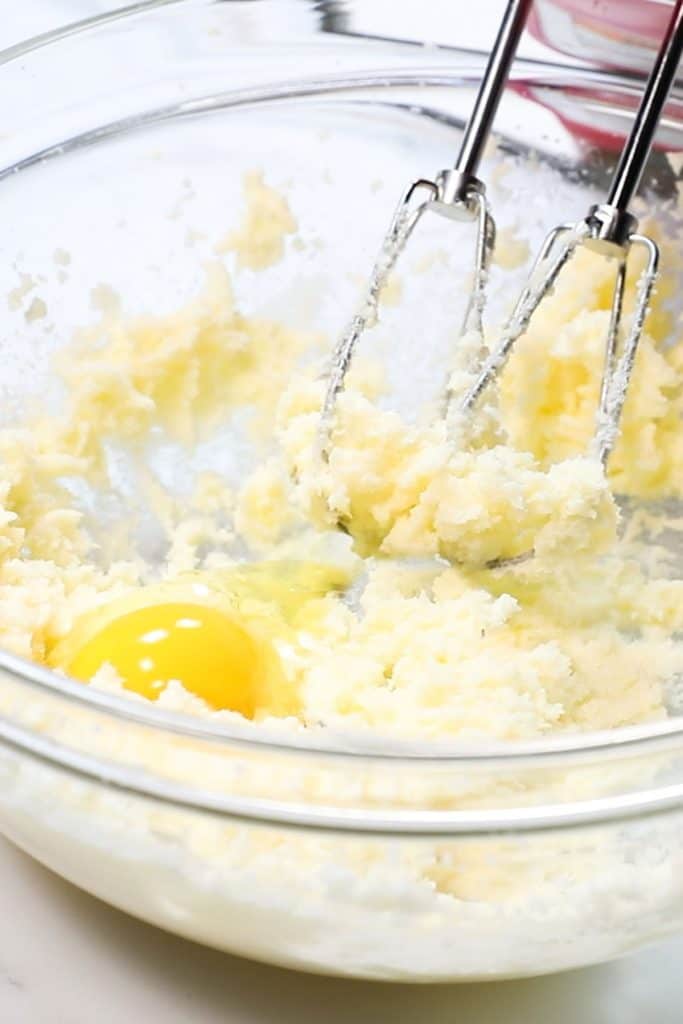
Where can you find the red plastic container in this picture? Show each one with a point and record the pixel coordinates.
(614, 34)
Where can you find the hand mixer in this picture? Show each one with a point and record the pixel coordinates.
(608, 228)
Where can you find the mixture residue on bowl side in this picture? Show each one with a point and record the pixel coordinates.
(400, 628)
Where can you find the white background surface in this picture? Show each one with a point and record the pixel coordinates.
(68, 959)
(65, 958)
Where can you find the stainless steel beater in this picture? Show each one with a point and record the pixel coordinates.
(456, 193)
(611, 229)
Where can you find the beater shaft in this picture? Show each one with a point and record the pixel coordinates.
(455, 185)
(637, 149)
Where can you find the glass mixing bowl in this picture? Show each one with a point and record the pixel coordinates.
(124, 146)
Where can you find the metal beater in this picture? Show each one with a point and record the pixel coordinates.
(456, 193)
(609, 228)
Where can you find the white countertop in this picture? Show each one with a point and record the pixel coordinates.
(66, 958)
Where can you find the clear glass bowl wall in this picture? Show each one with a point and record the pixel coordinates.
(119, 138)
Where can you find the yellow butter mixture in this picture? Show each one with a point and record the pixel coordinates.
(377, 590)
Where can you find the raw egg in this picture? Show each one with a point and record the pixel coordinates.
(215, 633)
(211, 656)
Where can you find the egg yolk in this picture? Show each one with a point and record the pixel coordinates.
(210, 654)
